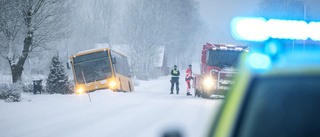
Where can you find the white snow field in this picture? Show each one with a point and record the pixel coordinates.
(149, 111)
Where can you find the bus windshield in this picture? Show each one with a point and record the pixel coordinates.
(223, 58)
(95, 66)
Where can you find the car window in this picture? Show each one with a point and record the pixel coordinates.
(286, 106)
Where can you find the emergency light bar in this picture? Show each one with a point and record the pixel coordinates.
(223, 48)
(259, 29)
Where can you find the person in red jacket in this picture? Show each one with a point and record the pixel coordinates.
(188, 79)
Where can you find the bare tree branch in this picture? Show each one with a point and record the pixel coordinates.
(30, 24)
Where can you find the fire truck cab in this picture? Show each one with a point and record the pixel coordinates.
(218, 68)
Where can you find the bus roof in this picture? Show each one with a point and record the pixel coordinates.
(94, 50)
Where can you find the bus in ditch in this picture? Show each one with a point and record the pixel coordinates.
(101, 69)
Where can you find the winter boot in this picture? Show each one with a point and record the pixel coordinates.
(188, 94)
(171, 92)
(177, 92)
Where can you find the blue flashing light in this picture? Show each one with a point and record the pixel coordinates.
(285, 29)
(259, 30)
(259, 61)
(314, 29)
(272, 48)
(243, 28)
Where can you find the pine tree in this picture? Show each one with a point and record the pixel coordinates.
(57, 81)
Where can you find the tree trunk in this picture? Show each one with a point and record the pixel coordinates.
(16, 73)
(17, 68)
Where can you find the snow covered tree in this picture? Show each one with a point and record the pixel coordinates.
(57, 81)
(94, 21)
(27, 26)
(105, 15)
(149, 24)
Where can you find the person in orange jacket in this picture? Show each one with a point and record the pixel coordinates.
(188, 79)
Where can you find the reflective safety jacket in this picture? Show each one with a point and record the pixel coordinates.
(188, 74)
(175, 73)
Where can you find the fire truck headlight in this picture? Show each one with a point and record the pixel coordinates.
(208, 83)
(80, 90)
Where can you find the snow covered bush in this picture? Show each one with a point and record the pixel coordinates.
(10, 93)
(3, 91)
(27, 88)
(57, 81)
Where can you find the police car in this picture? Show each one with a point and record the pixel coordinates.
(279, 98)
(277, 95)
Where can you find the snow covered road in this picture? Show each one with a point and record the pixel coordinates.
(147, 112)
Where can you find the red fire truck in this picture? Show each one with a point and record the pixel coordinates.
(218, 68)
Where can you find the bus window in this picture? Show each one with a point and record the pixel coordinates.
(121, 66)
(95, 66)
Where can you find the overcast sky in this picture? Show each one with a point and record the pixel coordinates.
(217, 15)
